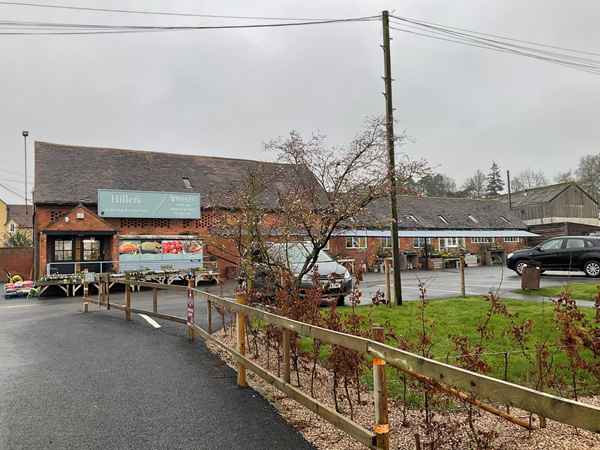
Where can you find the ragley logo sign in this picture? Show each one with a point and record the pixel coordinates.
(144, 204)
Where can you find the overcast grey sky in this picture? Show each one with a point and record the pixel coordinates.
(224, 92)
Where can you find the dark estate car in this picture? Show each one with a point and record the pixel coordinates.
(564, 253)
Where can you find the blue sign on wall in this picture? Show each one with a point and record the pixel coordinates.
(143, 204)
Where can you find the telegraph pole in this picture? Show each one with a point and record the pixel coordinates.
(389, 110)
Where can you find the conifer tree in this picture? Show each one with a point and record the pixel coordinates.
(495, 184)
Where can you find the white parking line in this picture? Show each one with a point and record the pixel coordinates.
(150, 321)
(17, 306)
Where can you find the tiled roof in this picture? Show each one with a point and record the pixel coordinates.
(23, 217)
(72, 174)
(539, 195)
(426, 211)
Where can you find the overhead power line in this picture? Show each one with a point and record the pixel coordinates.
(70, 28)
(155, 13)
(472, 39)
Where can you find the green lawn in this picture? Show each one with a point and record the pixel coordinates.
(461, 317)
(582, 291)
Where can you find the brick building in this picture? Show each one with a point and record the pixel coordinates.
(72, 234)
(447, 224)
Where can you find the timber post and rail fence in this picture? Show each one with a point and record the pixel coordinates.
(545, 405)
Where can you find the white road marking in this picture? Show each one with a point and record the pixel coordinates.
(17, 306)
(150, 321)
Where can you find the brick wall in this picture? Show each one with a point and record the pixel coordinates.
(337, 247)
(163, 227)
(16, 260)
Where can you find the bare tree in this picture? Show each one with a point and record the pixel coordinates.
(528, 179)
(476, 185)
(329, 186)
(588, 174)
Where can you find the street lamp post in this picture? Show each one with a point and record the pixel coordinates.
(25, 134)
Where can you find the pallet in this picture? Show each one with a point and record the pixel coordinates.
(16, 295)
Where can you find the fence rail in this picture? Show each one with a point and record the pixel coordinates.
(543, 404)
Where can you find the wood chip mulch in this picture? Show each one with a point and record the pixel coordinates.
(450, 430)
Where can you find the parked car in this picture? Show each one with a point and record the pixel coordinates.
(335, 277)
(563, 253)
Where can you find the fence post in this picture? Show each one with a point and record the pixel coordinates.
(107, 291)
(388, 289)
(540, 381)
(286, 356)
(191, 329)
(127, 297)
(209, 316)
(155, 300)
(85, 296)
(241, 342)
(462, 277)
(382, 427)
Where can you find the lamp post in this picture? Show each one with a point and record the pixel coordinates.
(25, 134)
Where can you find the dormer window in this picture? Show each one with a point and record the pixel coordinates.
(186, 182)
(473, 218)
(413, 218)
(443, 219)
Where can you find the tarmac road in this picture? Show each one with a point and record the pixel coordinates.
(70, 380)
(478, 281)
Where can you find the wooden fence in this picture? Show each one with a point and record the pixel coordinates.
(545, 405)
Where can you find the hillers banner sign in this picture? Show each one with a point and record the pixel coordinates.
(143, 204)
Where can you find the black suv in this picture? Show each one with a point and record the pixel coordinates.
(564, 253)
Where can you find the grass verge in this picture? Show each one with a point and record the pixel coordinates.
(580, 291)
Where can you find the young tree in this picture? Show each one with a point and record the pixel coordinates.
(495, 183)
(476, 185)
(326, 186)
(528, 179)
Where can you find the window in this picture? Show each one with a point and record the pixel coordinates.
(482, 240)
(356, 242)
(63, 250)
(449, 242)
(505, 219)
(554, 244)
(12, 227)
(418, 242)
(413, 218)
(386, 242)
(473, 218)
(512, 239)
(91, 250)
(186, 182)
(575, 243)
(443, 219)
